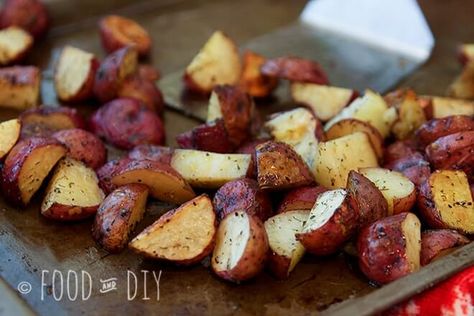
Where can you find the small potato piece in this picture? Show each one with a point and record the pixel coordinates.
(414, 167)
(83, 146)
(332, 221)
(295, 69)
(335, 158)
(350, 126)
(217, 63)
(436, 243)
(280, 167)
(152, 152)
(436, 128)
(410, 116)
(118, 215)
(455, 151)
(445, 201)
(27, 164)
(371, 204)
(442, 107)
(30, 15)
(185, 235)
(107, 171)
(466, 53)
(208, 137)
(285, 250)
(15, 43)
(390, 248)
(112, 72)
(164, 182)
(242, 195)
(9, 135)
(302, 198)
(204, 169)
(73, 192)
(249, 148)
(463, 86)
(74, 75)
(397, 189)
(117, 32)
(143, 90)
(19, 87)
(252, 80)
(324, 101)
(241, 247)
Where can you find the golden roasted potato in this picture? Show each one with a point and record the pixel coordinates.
(185, 235)
(410, 116)
(20, 87)
(439, 242)
(15, 43)
(118, 215)
(463, 86)
(302, 198)
(30, 15)
(295, 69)
(107, 171)
(445, 201)
(73, 192)
(252, 80)
(441, 107)
(9, 135)
(436, 128)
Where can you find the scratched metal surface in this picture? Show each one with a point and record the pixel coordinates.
(30, 243)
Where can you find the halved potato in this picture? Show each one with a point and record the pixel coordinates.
(410, 116)
(337, 157)
(117, 216)
(439, 242)
(15, 43)
(349, 126)
(445, 201)
(209, 170)
(241, 247)
(442, 107)
(325, 101)
(20, 87)
(9, 135)
(252, 80)
(302, 198)
(73, 192)
(463, 86)
(218, 62)
(185, 235)
(164, 182)
(27, 165)
(397, 189)
(285, 250)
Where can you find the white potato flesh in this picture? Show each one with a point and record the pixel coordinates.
(214, 111)
(324, 208)
(9, 134)
(443, 107)
(13, 42)
(411, 230)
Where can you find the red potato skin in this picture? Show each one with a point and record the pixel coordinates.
(152, 152)
(143, 90)
(249, 148)
(278, 265)
(399, 150)
(13, 162)
(107, 171)
(295, 69)
(414, 167)
(330, 237)
(208, 137)
(74, 213)
(434, 242)
(30, 15)
(148, 72)
(242, 195)
(381, 247)
(302, 198)
(436, 128)
(83, 146)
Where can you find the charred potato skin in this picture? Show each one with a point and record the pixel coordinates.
(252, 80)
(302, 198)
(152, 152)
(250, 148)
(242, 195)
(20, 13)
(111, 226)
(434, 242)
(295, 69)
(436, 128)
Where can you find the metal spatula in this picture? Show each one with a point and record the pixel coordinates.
(360, 43)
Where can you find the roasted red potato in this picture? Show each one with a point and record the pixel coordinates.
(118, 215)
(107, 171)
(30, 15)
(455, 151)
(9, 135)
(463, 86)
(126, 123)
(83, 146)
(144, 90)
(117, 32)
(445, 201)
(436, 128)
(15, 44)
(371, 204)
(280, 167)
(20, 87)
(203, 169)
(252, 80)
(217, 63)
(295, 69)
(414, 167)
(302, 198)
(324, 101)
(242, 195)
(399, 150)
(285, 250)
(73, 192)
(241, 247)
(465, 53)
(112, 72)
(390, 248)
(249, 148)
(164, 182)
(439, 107)
(74, 75)
(210, 136)
(27, 165)
(331, 222)
(148, 72)
(185, 235)
(437, 243)
(410, 115)
(152, 152)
